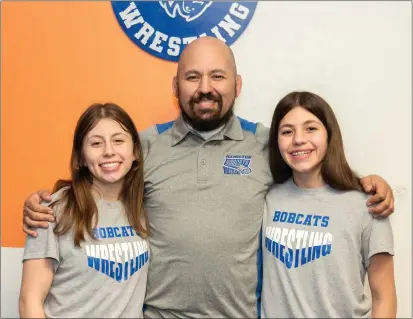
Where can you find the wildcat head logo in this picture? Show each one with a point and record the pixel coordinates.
(165, 28)
(189, 10)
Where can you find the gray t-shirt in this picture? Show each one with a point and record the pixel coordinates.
(103, 278)
(317, 245)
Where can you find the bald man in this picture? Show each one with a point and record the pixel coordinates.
(206, 175)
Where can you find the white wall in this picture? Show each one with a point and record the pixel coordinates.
(357, 55)
(11, 272)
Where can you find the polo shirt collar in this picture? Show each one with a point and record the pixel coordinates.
(232, 130)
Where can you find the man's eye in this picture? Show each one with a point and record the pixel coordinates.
(218, 77)
(191, 78)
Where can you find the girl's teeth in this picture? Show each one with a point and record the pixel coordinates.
(301, 153)
(109, 165)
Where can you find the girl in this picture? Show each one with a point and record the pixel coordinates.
(94, 262)
(319, 240)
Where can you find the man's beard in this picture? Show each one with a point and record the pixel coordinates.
(212, 123)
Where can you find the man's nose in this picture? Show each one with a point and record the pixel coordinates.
(205, 85)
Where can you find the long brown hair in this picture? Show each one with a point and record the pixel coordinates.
(79, 210)
(334, 169)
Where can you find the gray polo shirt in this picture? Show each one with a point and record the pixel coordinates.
(205, 201)
(317, 245)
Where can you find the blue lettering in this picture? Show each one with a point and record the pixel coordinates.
(119, 272)
(324, 221)
(276, 216)
(326, 249)
(283, 217)
(146, 256)
(297, 255)
(142, 259)
(297, 221)
(96, 263)
(316, 252)
(105, 266)
(308, 220)
(116, 230)
(95, 233)
(102, 233)
(124, 231)
(289, 258)
(282, 253)
(303, 259)
(132, 267)
(291, 218)
(111, 272)
(275, 248)
(317, 218)
(267, 243)
(110, 232)
(126, 271)
(138, 264)
(131, 230)
(90, 262)
(309, 255)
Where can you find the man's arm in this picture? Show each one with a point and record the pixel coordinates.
(35, 214)
(382, 202)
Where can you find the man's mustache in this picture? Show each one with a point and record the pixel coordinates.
(205, 97)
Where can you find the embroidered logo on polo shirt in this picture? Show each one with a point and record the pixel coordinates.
(237, 165)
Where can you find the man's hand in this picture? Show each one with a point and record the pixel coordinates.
(382, 202)
(34, 214)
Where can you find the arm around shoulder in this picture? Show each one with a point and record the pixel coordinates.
(381, 203)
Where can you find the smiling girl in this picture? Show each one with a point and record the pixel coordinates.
(94, 261)
(319, 240)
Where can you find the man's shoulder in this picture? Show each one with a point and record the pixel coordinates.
(260, 131)
(153, 131)
(149, 135)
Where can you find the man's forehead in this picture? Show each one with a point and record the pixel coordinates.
(205, 65)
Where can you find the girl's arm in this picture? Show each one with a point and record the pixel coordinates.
(383, 290)
(36, 281)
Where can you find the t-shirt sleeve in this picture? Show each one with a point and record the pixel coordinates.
(45, 245)
(377, 237)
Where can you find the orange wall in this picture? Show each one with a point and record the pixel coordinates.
(57, 58)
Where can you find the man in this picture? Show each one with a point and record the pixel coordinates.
(206, 175)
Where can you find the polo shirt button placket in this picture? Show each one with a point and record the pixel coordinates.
(202, 167)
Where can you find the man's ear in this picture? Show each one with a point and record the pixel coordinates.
(175, 86)
(238, 85)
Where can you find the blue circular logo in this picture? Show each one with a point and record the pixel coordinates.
(165, 28)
